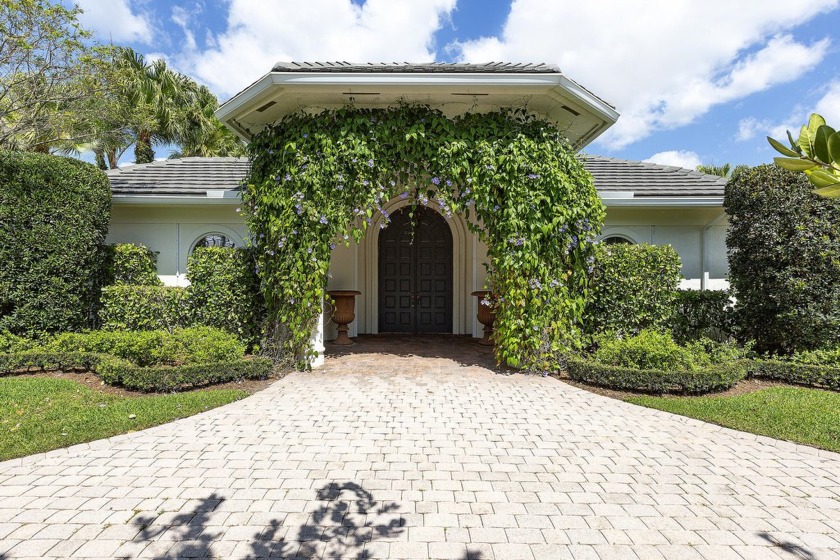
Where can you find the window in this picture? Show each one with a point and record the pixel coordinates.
(616, 240)
(214, 240)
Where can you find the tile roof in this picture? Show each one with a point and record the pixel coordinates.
(411, 67)
(195, 176)
(187, 176)
(650, 179)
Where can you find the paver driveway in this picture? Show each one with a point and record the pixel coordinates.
(403, 457)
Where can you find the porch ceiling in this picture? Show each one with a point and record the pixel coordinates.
(453, 88)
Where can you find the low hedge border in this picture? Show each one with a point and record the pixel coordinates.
(116, 371)
(824, 377)
(713, 378)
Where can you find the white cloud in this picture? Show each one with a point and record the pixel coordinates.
(679, 158)
(828, 106)
(261, 32)
(114, 20)
(663, 63)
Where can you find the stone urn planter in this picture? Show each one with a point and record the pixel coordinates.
(486, 314)
(343, 313)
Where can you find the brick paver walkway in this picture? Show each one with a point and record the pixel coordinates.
(395, 456)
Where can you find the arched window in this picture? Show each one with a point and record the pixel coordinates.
(616, 240)
(214, 240)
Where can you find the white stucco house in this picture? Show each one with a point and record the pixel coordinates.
(173, 206)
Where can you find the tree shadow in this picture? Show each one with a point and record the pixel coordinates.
(789, 547)
(348, 520)
(462, 349)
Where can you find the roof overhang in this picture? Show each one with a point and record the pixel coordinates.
(579, 114)
(664, 201)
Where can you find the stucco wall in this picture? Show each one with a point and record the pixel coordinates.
(698, 235)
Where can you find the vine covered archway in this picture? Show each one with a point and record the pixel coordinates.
(318, 179)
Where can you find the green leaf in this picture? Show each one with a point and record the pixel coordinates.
(822, 179)
(829, 192)
(834, 148)
(794, 146)
(821, 143)
(815, 121)
(794, 164)
(781, 148)
(805, 141)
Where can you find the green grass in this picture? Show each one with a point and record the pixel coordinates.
(799, 414)
(38, 414)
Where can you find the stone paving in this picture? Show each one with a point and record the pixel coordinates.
(426, 452)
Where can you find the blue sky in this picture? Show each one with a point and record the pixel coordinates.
(695, 82)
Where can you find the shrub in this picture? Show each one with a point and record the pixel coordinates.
(135, 265)
(163, 378)
(224, 291)
(784, 258)
(820, 357)
(13, 343)
(54, 213)
(702, 314)
(647, 350)
(711, 378)
(117, 371)
(633, 288)
(138, 308)
(146, 348)
(815, 375)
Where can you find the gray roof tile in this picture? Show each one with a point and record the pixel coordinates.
(195, 176)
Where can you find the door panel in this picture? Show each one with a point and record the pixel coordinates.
(415, 274)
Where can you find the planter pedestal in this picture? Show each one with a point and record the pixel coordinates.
(486, 315)
(343, 313)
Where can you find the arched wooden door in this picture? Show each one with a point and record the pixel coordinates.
(415, 277)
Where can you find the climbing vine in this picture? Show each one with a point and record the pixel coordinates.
(319, 179)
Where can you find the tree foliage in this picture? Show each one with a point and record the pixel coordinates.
(784, 259)
(816, 152)
(43, 66)
(317, 180)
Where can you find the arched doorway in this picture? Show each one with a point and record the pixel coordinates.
(415, 273)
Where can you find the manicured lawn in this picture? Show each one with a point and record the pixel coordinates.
(809, 416)
(40, 413)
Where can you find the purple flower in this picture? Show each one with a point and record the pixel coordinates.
(533, 176)
(323, 220)
(404, 195)
(332, 245)
(370, 163)
(299, 208)
(448, 183)
(292, 300)
(271, 253)
(340, 187)
(366, 182)
(435, 180)
(288, 177)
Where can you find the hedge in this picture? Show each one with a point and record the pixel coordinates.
(134, 264)
(146, 348)
(117, 371)
(633, 288)
(225, 293)
(137, 308)
(54, 213)
(712, 378)
(802, 374)
(702, 314)
(784, 259)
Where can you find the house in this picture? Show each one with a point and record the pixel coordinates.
(174, 206)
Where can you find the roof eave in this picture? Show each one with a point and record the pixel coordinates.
(664, 201)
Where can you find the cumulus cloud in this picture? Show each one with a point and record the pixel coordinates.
(114, 20)
(663, 63)
(261, 32)
(828, 106)
(679, 158)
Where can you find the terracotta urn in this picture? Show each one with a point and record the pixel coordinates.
(343, 313)
(486, 314)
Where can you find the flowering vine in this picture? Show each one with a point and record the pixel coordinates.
(319, 179)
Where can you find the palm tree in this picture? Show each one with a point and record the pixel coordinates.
(726, 170)
(200, 133)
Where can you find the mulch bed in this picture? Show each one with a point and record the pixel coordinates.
(91, 381)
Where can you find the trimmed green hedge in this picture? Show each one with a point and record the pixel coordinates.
(225, 293)
(633, 288)
(134, 264)
(711, 378)
(141, 308)
(146, 348)
(822, 376)
(54, 215)
(702, 314)
(117, 371)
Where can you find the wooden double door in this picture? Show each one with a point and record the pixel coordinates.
(415, 273)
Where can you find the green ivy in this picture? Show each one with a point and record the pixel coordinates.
(318, 179)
